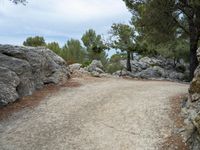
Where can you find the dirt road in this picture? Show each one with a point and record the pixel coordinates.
(108, 114)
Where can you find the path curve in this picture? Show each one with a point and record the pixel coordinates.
(108, 114)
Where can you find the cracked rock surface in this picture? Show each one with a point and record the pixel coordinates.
(25, 69)
(105, 114)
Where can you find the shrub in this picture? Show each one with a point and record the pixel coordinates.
(86, 63)
(113, 67)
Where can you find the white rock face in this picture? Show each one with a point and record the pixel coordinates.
(25, 69)
(191, 111)
(158, 67)
(95, 68)
(74, 67)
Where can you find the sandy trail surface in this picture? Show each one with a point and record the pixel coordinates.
(103, 114)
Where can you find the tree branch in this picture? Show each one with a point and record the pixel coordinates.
(181, 26)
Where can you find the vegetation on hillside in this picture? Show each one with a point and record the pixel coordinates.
(123, 38)
(161, 21)
(158, 27)
(74, 51)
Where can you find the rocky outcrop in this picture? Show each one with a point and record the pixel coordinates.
(74, 67)
(26, 69)
(95, 69)
(191, 111)
(156, 68)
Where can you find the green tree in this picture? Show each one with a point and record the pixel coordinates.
(34, 41)
(176, 50)
(94, 45)
(123, 38)
(144, 47)
(103, 57)
(73, 52)
(162, 20)
(117, 57)
(54, 46)
(114, 63)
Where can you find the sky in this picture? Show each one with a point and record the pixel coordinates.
(58, 20)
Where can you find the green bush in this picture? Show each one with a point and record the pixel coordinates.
(73, 52)
(113, 67)
(35, 41)
(86, 63)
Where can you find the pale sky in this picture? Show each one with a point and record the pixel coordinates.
(58, 20)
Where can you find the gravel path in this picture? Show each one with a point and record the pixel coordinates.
(108, 114)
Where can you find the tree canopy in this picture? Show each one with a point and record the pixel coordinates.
(163, 20)
(123, 38)
(54, 46)
(34, 41)
(94, 44)
(73, 52)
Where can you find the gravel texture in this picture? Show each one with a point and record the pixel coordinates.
(105, 114)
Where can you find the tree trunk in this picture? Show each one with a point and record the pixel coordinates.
(193, 58)
(193, 49)
(174, 62)
(128, 65)
(131, 55)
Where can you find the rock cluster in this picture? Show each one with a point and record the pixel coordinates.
(159, 68)
(26, 69)
(95, 69)
(191, 111)
(144, 67)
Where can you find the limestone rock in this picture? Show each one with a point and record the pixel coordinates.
(157, 67)
(74, 67)
(197, 123)
(194, 89)
(120, 73)
(95, 68)
(96, 65)
(192, 111)
(176, 76)
(152, 72)
(30, 69)
(8, 86)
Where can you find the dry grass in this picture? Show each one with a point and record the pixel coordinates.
(35, 99)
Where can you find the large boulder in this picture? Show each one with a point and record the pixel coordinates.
(194, 89)
(23, 70)
(8, 86)
(151, 72)
(74, 67)
(95, 68)
(176, 76)
(191, 111)
(96, 65)
(28, 69)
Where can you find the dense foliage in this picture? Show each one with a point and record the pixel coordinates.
(114, 62)
(177, 50)
(34, 41)
(95, 46)
(170, 28)
(73, 52)
(123, 38)
(54, 46)
(162, 21)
